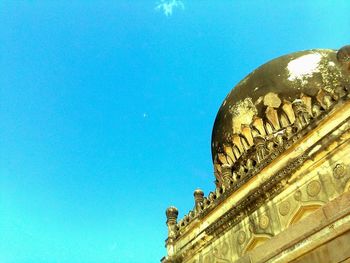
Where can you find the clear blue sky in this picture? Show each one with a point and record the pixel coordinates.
(106, 111)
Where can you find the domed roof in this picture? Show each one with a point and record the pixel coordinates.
(282, 80)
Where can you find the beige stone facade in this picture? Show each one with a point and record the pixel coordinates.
(281, 157)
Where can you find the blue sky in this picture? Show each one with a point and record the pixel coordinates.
(107, 107)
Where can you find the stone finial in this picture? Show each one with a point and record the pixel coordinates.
(198, 199)
(171, 214)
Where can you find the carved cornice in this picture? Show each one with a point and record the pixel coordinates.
(271, 188)
(304, 113)
(252, 131)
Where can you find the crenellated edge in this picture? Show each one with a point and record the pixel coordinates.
(258, 144)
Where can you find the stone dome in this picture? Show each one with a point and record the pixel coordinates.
(301, 76)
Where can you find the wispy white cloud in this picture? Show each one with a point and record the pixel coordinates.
(167, 6)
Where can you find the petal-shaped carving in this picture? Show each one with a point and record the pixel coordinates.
(255, 133)
(236, 140)
(244, 143)
(288, 109)
(271, 115)
(236, 152)
(284, 120)
(229, 152)
(269, 128)
(222, 158)
(259, 125)
(307, 102)
(247, 133)
(229, 160)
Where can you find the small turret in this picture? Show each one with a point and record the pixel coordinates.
(171, 214)
(198, 200)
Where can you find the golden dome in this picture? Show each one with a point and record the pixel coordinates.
(282, 82)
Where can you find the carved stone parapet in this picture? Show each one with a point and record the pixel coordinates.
(266, 148)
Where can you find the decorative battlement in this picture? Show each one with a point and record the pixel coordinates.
(233, 175)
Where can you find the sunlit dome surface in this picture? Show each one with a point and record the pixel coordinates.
(281, 79)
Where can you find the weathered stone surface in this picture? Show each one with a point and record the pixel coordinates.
(282, 180)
